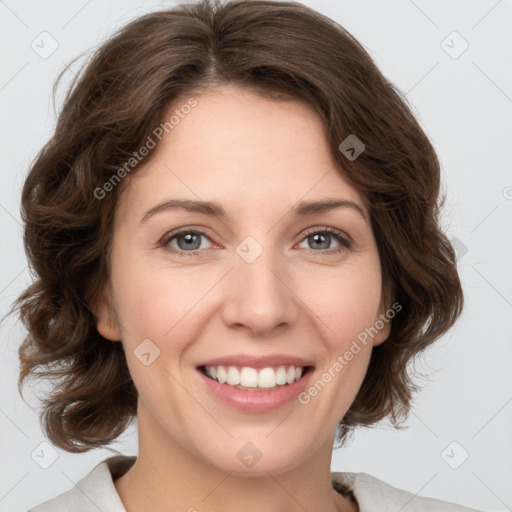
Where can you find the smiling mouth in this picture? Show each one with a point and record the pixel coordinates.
(255, 379)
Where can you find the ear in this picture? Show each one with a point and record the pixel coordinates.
(383, 321)
(106, 322)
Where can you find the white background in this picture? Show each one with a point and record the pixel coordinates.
(464, 105)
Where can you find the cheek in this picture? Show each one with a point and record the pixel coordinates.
(161, 304)
(346, 300)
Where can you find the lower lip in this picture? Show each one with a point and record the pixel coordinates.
(256, 401)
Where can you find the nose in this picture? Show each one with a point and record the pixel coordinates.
(258, 296)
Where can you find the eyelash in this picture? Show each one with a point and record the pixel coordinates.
(345, 243)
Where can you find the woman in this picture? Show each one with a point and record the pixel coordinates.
(234, 229)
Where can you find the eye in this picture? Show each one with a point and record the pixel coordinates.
(322, 240)
(187, 240)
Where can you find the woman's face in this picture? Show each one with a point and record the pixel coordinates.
(265, 285)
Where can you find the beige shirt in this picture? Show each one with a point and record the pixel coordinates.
(96, 491)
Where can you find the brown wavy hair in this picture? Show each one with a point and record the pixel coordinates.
(280, 50)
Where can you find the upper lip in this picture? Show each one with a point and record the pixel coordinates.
(242, 360)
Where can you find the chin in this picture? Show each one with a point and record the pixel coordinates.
(254, 455)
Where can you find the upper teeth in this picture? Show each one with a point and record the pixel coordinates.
(251, 377)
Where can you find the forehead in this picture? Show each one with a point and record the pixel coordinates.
(244, 151)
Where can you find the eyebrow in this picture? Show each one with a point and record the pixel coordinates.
(302, 209)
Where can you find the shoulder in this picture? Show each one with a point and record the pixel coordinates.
(374, 495)
(95, 491)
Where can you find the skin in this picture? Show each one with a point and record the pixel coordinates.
(257, 158)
